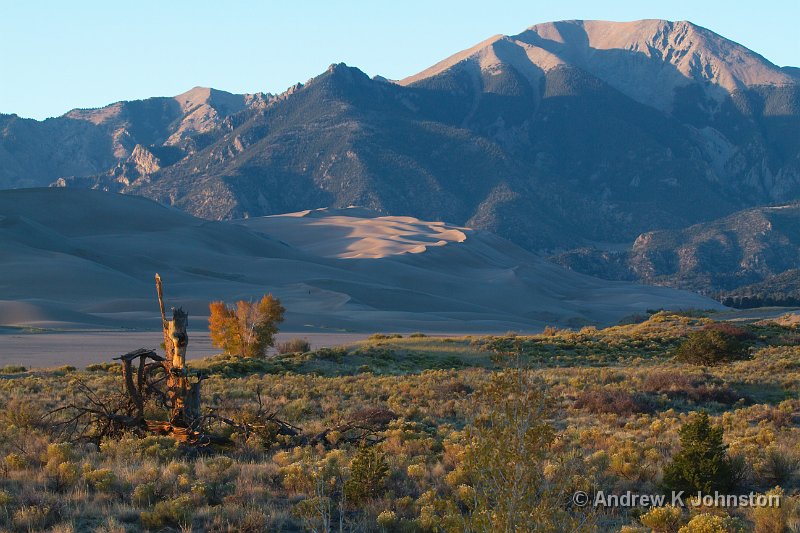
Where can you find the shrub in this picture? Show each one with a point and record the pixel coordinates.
(146, 494)
(731, 330)
(16, 461)
(293, 346)
(163, 448)
(386, 519)
(175, 512)
(336, 353)
(246, 330)
(315, 512)
(368, 472)
(710, 523)
(417, 335)
(33, 517)
(615, 401)
(101, 480)
(702, 464)
(550, 331)
(773, 519)
(669, 381)
(12, 369)
(217, 475)
(509, 461)
(681, 385)
(22, 413)
(57, 454)
(710, 347)
(667, 519)
(384, 336)
(103, 367)
(779, 465)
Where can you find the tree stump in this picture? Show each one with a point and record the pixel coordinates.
(183, 396)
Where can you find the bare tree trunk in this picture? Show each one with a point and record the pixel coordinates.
(133, 392)
(183, 409)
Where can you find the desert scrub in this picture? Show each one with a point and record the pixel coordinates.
(256, 484)
(150, 447)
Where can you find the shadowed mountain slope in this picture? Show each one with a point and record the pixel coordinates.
(755, 252)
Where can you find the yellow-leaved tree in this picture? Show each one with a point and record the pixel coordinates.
(246, 329)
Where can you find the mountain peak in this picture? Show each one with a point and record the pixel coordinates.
(645, 59)
(345, 71)
(200, 96)
(194, 97)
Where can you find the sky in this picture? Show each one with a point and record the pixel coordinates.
(57, 55)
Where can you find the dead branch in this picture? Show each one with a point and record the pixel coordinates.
(362, 427)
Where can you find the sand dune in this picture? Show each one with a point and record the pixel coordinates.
(355, 232)
(73, 258)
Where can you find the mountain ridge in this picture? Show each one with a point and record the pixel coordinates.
(750, 252)
(550, 164)
(695, 53)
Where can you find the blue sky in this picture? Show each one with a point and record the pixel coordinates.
(57, 55)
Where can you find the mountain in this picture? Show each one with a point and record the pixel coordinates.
(651, 61)
(333, 270)
(752, 255)
(89, 141)
(568, 134)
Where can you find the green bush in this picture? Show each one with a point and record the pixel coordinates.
(368, 472)
(710, 347)
(101, 480)
(146, 494)
(702, 464)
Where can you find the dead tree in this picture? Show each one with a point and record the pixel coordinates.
(184, 397)
(138, 384)
(362, 427)
(147, 377)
